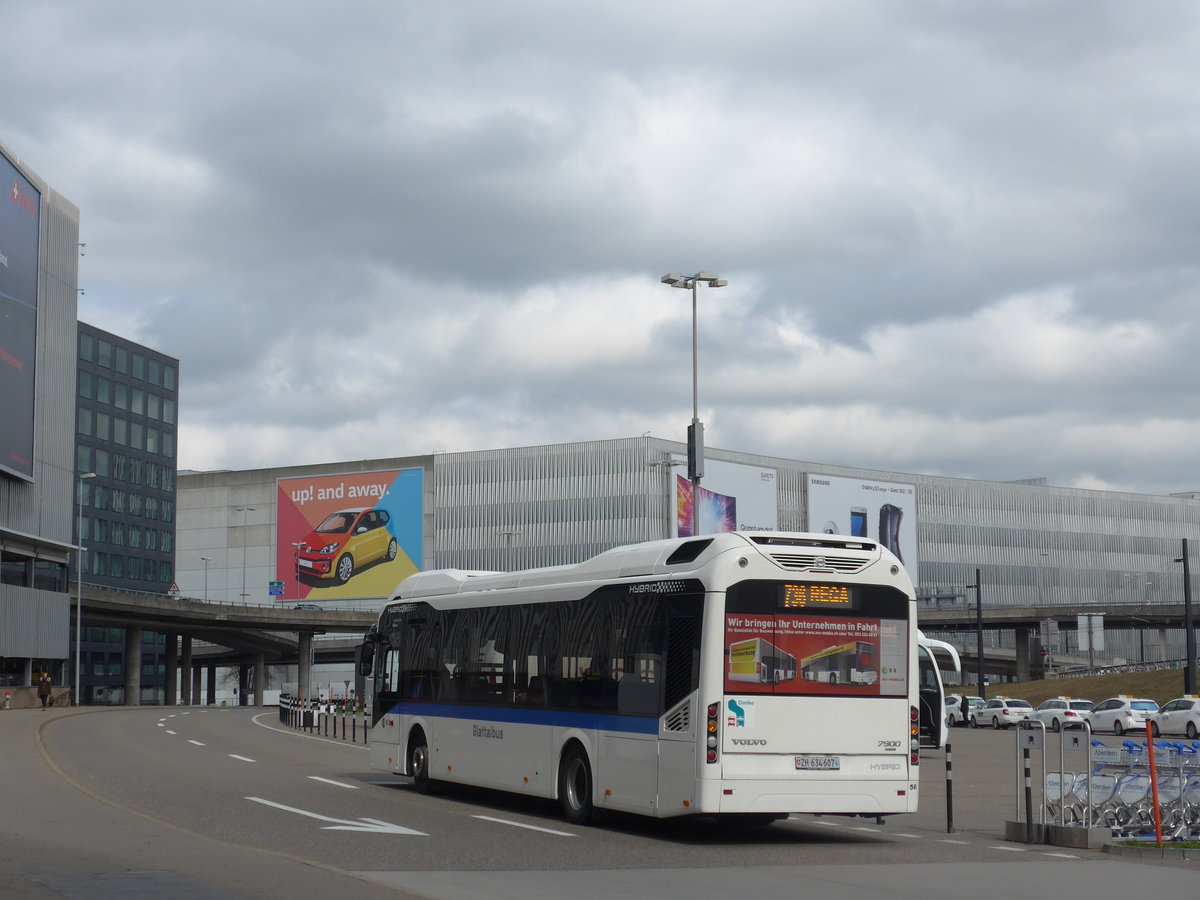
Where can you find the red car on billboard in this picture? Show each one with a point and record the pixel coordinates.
(345, 542)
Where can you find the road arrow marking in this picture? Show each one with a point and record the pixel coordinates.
(374, 826)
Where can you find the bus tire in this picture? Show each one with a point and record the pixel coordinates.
(575, 786)
(418, 762)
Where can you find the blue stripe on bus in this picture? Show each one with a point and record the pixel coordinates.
(517, 716)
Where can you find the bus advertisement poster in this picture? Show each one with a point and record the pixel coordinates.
(814, 655)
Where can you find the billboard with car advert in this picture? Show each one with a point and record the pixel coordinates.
(19, 220)
(882, 511)
(733, 497)
(356, 534)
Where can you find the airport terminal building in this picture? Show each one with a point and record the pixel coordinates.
(1031, 543)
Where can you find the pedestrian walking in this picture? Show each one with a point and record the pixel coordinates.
(45, 689)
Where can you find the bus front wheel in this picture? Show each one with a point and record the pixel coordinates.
(575, 786)
(418, 763)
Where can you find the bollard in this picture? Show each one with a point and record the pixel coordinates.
(8, 700)
(1028, 797)
(949, 792)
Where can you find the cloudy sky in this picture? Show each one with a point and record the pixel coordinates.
(960, 238)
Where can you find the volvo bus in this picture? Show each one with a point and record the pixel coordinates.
(934, 729)
(608, 684)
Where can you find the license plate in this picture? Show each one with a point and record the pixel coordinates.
(305, 564)
(820, 763)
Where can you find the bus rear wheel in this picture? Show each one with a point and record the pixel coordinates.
(418, 763)
(575, 786)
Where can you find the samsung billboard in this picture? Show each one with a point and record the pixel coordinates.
(19, 217)
(885, 511)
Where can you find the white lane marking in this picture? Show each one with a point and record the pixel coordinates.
(523, 825)
(169, 731)
(374, 826)
(242, 758)
(1061, 855)
(865, 828)
(1011, 849)
(902, 834)
(353, 787)
(197, 743)
(161, 725)
(949, 841)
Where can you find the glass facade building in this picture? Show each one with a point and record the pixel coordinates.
(126, 428)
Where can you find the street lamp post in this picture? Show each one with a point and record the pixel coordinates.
(245, 511)
(1189, 626)
(206, 560)
(695, 441)
(85, 476)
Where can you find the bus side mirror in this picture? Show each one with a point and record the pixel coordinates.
(366, 659)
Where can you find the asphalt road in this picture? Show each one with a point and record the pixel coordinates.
(214, 803)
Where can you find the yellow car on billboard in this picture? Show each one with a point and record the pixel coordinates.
(344, 542)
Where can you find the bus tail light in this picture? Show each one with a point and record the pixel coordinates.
(914, 732)
(710, 740)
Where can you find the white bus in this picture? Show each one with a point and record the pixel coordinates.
(932, 693)
(606, 684)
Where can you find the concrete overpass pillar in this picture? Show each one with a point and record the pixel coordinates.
(212, 685)
(243, 685)
(1023, 673)
(260, 679)
(185, 672)
(194, 675)
(172, 682)
(133, 665)
(304, 667)
(1163, 646)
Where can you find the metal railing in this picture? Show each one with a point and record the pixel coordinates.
(325, 718)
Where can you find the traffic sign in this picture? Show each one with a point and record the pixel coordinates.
(275, 588)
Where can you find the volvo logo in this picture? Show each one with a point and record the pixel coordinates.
(749, 742)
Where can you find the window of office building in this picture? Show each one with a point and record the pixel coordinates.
(121, 396)
(49, 576)
(135, 536)
(168, 411)
(117, 534)
(169, 445)
(99, 563)
(151, 507)
(15, 569)
(87, 385)
(138, 369)
(116, 665)
(164, 570)
(103, 426)
(153, 406)
(169, 377)
(116, 565)
(102, 463)
(104, 354)
(137, 436)
(137, 401)
(87, 347)
(152, 475)
(151, 440)
(148, 570)
(135, 503)
(154, 373)
(83, 458)
(85, 421)
(121, 360)
(120, 431)
(95, 635)
(103, 390)
(168, 510)
(118, 499)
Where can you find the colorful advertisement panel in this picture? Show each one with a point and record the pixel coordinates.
(19, 219)
(732, 497)
(356, 534)
(882, 511)
(814, 655)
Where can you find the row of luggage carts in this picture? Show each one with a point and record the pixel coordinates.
(1118, 790)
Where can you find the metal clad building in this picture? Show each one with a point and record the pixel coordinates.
(557, 504)
(36, 516)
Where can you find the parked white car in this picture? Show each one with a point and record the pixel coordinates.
(1000, 712)
(1121, 714)
(954, 714)
(1060, 711)
(1179, 716)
